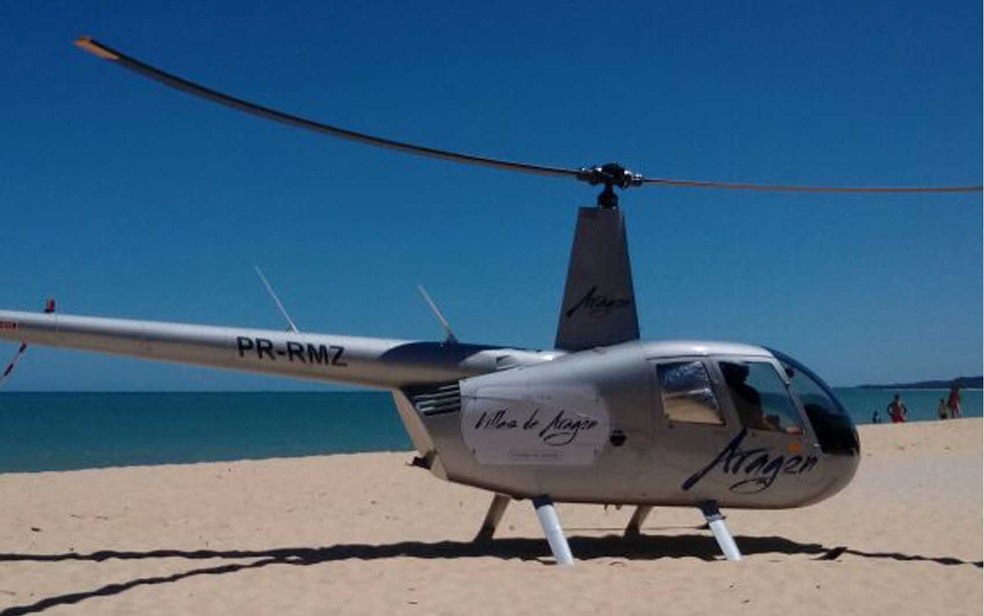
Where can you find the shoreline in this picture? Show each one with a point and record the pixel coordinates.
(882, 388)
(407, 452)
(42, 432)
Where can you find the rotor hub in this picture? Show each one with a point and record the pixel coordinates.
(612, 175)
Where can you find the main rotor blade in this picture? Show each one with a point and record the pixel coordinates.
(142, 68)
(622, 179)
(810, 189)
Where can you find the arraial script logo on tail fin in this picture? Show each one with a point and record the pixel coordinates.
(598, 305)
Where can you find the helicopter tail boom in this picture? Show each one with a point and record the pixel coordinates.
(373, 362)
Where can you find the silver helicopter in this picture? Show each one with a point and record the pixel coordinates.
(602, 418)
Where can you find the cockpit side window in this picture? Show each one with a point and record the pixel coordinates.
(760, 397)
(685, 389)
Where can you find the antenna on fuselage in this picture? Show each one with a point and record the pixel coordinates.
(437, 314)
(276, 300)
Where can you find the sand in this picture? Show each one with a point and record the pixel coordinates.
(366, 534)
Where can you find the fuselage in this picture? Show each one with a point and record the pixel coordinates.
(642, 423)
(670, 423)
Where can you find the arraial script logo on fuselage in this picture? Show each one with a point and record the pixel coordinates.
(756, 469)
(502, 431)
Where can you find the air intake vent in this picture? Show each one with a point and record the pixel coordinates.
(436, 399)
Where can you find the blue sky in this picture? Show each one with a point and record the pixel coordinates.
(122, 198)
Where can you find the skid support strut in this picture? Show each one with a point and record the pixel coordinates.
(547, 515)
(716, 521)
(492, 518)
(638, 519)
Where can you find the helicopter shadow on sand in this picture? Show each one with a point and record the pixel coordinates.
(643, 547)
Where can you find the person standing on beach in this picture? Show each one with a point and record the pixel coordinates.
(941, 409)
(953, 402)
(896, 410)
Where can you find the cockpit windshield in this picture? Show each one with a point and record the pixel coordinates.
(831, 422)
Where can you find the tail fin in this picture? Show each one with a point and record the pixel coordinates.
(599, 302)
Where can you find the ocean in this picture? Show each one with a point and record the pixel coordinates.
(65, 431)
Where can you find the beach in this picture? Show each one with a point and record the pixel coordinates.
(368, 534)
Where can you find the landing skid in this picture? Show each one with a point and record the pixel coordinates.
(550, 523)
(546, 513)
(721, 533)
(715, 522)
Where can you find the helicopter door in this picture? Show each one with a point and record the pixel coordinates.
(775, 444)
(690, 420)
(733, 427)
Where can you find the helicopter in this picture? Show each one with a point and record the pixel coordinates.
(601, 418)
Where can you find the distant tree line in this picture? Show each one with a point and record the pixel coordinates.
(963, 382)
